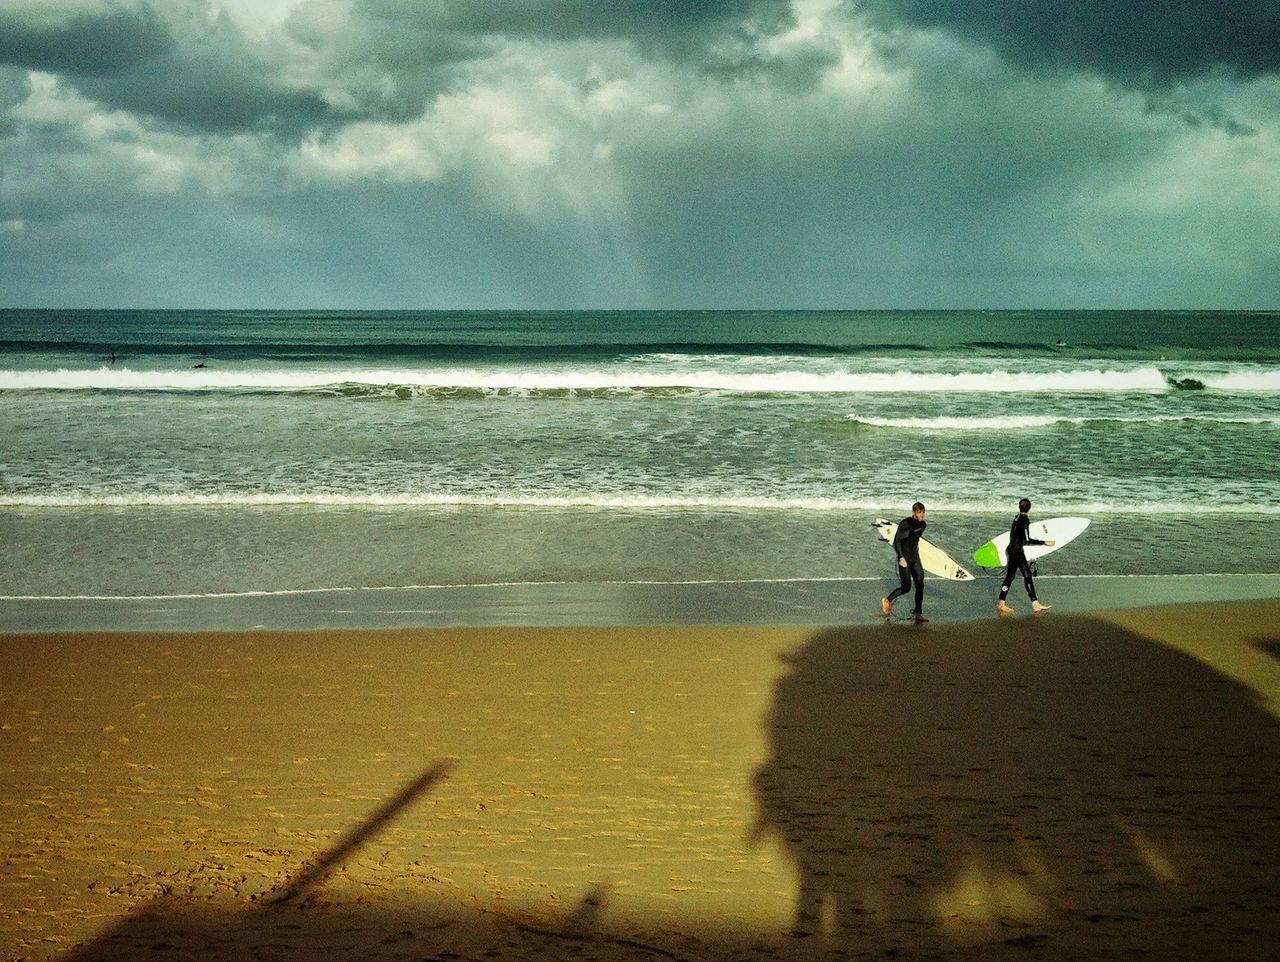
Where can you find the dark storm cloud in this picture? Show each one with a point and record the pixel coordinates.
(213, 87)
(85, 43)
(638, 154)
(169, 62)
(384, 60)
(1159, 41)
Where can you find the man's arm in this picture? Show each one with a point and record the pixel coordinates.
(1026, 532)
(900, 536)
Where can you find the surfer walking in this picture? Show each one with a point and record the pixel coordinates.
(906, 545)
(1016, 560)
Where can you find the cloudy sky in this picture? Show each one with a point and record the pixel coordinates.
(640, 153)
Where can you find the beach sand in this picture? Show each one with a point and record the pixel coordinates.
(1064, 787)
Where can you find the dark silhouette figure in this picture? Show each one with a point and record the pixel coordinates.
(1065, 786)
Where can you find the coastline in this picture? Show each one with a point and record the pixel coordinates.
(1074, 786)
(760, 601)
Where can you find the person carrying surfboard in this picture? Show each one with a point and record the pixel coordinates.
(1016, 560)
(906, 545)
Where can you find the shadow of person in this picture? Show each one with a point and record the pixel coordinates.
(1059, 784)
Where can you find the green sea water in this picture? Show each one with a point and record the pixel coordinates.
(265, 452)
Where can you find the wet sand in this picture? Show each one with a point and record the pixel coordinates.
(1064, 787)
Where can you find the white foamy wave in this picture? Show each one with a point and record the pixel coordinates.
(426, 499)
(1243, 381)
(1015, 422)
(620, 379)
(621, 502)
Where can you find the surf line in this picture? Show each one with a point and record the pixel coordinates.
(186, 596)
(564, 584)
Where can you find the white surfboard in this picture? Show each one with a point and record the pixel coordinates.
(1061, 531)
(932, 558)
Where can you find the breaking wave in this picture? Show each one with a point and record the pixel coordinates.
(619, 501)
(447, 382)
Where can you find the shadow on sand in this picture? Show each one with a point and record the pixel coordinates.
(1057, 784)
(1057, 789)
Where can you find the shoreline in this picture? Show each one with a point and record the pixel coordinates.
(1082, 786)
(779, 601)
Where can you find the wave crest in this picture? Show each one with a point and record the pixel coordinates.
(604, 501)
(407, 382)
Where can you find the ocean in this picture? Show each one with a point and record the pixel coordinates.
(237, 454)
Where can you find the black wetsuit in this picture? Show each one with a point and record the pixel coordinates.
(906, 544)
(1016, 555)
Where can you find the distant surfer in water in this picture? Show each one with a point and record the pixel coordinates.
(906, 545)
(1016, 560)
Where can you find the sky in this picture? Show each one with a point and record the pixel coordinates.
(719, 154)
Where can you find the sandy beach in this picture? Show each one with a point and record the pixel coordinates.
(1067, 787)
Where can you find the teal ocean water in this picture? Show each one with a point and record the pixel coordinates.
(265, 452)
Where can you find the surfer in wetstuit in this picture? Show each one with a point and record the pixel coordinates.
(1016, 560)
(906, 545)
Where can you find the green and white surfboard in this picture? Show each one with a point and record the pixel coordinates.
(1062, 531)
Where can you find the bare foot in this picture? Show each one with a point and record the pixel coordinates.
(886, 606)
(1003, 609)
